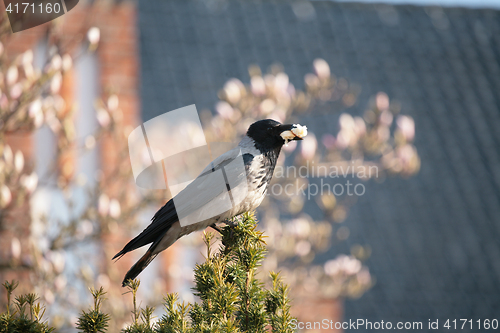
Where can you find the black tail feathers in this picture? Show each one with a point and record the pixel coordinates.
(138, 267)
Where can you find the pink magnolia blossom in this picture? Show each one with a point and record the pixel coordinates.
(321, 68)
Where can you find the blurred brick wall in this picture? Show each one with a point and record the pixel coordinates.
(118, 69)
(315, 309)
(16, 224)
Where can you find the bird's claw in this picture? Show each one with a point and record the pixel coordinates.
(231, 223)
(215, 227)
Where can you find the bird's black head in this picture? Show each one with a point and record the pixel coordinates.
(269, 134)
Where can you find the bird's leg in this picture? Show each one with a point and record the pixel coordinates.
(227, 222)
(230, 223)
(215, 227)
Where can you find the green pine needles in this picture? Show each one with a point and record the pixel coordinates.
(94, 321)
(142, 317)
(26, 314)
(231, 297)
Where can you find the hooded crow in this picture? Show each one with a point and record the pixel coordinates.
(259, 149)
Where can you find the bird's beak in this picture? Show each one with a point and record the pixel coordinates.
(291, 132)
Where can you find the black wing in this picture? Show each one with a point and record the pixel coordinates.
(195, 196)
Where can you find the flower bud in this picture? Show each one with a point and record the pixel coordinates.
(67, 62)
(103, 117)
(12, 75)
(114, 209)
(27, 57)
(8, 156)
(19, 161)
(5, 196)
(321, 68)
(382, 101)
(94, 35)
(15, 248)
(16, 91)
(113, 102)
(56, 62)
(407, 127)
(56, 83)
(29, 182)
(103, 205)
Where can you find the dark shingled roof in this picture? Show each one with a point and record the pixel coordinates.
(435, 237)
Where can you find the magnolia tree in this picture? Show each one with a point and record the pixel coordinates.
(375, 145)
(31, 99)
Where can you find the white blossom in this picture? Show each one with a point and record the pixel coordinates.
(29, 182)
(19, 161)
(67, 62)
(321, 68)
(113, 102)
(232, 90)
(407, 127)
(258, 85)
(5, 196)
(12, 75)
(94, 35)
(27, 57)
(103, 117)
(114, 208)
(56, 62)
(309, 146)
(15, 248)
(103, 205)
(8, 156)
(382, 101)
(56, 83)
